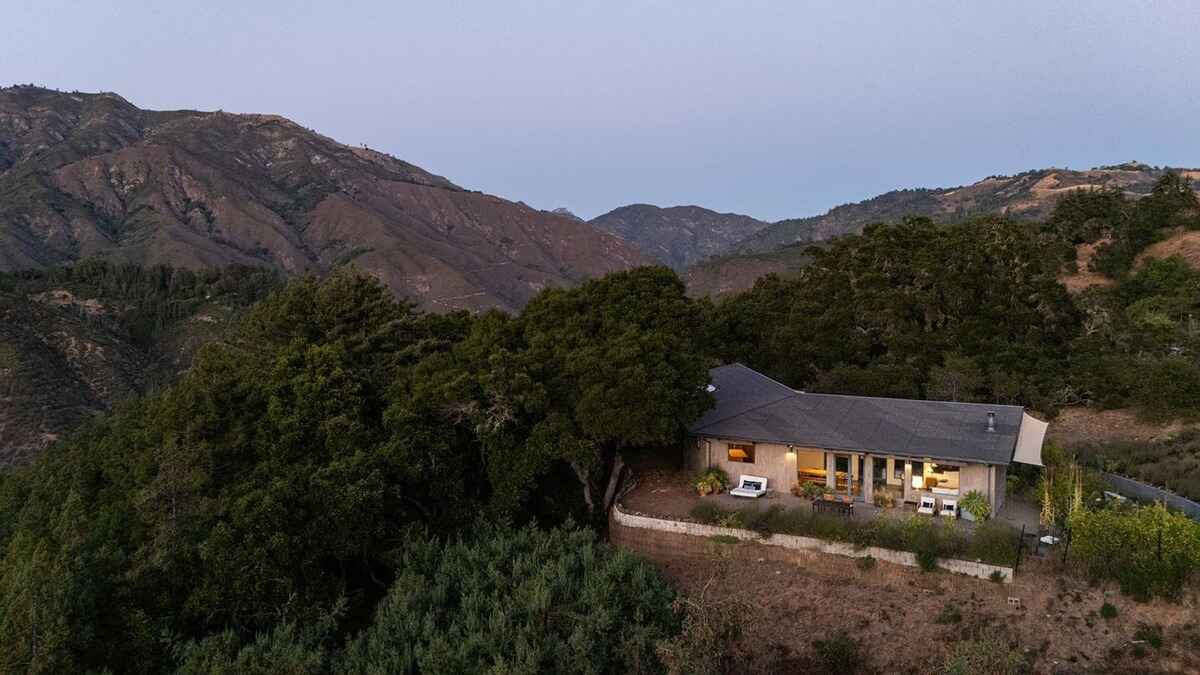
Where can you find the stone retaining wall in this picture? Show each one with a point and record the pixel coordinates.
(790, 541)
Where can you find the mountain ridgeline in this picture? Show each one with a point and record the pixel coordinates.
(678, 236)
(91, 175)
(1030, 196)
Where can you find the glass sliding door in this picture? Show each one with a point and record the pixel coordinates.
(848, 474)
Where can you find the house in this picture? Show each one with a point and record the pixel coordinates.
(861, 446)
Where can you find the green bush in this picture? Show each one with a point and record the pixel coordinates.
(709, 513)
(997, 577)
(766, 521)
(866, 563)
(813, 490)
(839, 653)
(995, 542)
(949, 614)
(992, 542)
(1148, 550)
(977, 657)
(1108, 610)
(534, 600)
(712, 481)
(927, 559)
(976, 503)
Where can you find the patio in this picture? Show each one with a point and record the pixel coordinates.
(675, 497)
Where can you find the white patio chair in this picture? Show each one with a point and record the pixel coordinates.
(949, 508)
(750, 486)
(928, 505)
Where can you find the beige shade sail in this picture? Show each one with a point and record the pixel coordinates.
(1029, 440)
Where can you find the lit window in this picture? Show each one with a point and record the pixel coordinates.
(942, 478)
(918, 475)
(741, 452)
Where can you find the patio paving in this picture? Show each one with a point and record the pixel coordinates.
(675, 500)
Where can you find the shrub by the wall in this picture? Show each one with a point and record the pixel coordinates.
(1148, 550)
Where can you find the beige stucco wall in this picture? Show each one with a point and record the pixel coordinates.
(974, 477)
(770, 460)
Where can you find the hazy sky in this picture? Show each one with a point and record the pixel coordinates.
(773, 109)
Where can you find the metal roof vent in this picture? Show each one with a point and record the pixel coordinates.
(991, 421)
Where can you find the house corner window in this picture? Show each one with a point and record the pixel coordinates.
(741, 452)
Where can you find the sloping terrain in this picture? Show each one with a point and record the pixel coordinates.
(1027, 196)
(1030, 195)
(677, 236)
(91, 175)
(73, 343)
(734, 273)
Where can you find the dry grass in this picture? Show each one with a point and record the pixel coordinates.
(891, 611)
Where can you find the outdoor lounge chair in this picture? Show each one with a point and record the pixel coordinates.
(928, 505)
(949, 508)
(750, 486)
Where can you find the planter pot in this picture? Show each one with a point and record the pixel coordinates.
(967, 515)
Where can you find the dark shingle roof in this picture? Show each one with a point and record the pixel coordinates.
(753, 407)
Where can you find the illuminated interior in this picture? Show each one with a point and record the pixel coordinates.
(941, 478)
(741, 452)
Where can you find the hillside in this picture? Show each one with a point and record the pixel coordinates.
(1028, 196)
(733, 273)
(75, 342)
(677, 236)
(91, 175)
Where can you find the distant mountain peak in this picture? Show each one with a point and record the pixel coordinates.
(677, 236)
(566, 213)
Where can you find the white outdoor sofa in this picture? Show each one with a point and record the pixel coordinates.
(750, 486)
(949, 508)
(928, 505)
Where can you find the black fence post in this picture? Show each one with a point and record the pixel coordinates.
(1020, 548)
(1066, 544)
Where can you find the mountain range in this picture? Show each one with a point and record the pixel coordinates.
(93, 176)
(1030, 195)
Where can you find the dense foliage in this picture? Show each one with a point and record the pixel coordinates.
(75, 341)
(972, 311)
(282, 474)
(524, 601)
(144, 301)
(1173, 463)
(1149, 550)
(975, 312)
(551, 602)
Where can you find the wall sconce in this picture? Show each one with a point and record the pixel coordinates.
(791, 452)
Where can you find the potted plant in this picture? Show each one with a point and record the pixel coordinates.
(712, 482)
(812, 490)
(974, 506)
